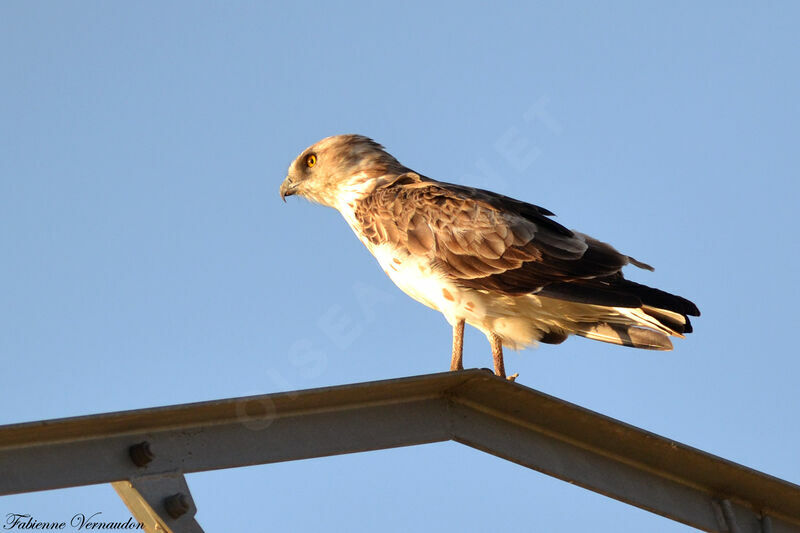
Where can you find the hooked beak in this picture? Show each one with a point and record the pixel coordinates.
(288, 188)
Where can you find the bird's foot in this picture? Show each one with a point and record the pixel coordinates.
(513, 377)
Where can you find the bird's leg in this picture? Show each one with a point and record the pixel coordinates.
(458, 346)
(497, 355)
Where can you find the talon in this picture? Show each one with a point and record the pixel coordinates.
(513, 377)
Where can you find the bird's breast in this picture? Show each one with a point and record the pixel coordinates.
(417, 277)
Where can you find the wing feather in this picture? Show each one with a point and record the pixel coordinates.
(481, 239)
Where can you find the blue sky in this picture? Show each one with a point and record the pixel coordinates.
(147, 258)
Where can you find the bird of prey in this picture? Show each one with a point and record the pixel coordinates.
(499, 264)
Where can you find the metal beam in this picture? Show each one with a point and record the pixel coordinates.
(161, 502)
(471, 407)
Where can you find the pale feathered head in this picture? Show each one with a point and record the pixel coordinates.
(339, 169)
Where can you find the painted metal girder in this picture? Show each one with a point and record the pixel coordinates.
(472, 407)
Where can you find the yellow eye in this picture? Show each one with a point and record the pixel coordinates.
(311, 160)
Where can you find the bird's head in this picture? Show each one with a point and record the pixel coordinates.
(339, 169)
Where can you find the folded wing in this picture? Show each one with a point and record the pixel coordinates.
(486, 241)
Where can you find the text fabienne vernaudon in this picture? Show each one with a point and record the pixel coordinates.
(77, 522)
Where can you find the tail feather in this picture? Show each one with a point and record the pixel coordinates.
(620, 311)
(658, 298)
(644, 327)
(625, 335)
(674, 321)
(614, 311)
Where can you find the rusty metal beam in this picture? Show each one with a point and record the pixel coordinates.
(161, 502)
(471, 407)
